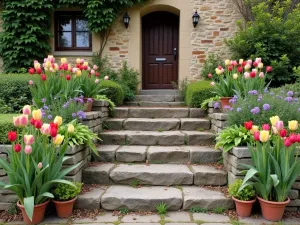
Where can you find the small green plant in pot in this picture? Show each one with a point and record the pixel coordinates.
(243, 199)
(65, 196)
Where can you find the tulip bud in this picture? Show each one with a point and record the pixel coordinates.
(230, 68)
(274, 119)
(93, 72)
(212, 83)
(32, 121)
(248, 125)
(78, 73)
(53, 131)
(227, 62)
(255, 64)
(293, 138)
(38, 70)
(298, 138)
(23, 120)
(254, 128)
(248, 66)
(95, 67)
(58, 120)
(68, 77)
(71, 128)
(28, 149)
(40, 165)
(27, 110)
(16, 121)
(252, 74)
(287, 142)
(240, 69)
(241, 61)
(97, 74)
(249, 61)
(45, 130)
(12, 136)
(44, 77)
(28, 139)
(58, 139)
(31, 71)
(210, 75)
(247, 75)
(261, 75)
(30, 82)
(17, 148)
(97, 81)
(38, 124)
(279, 125)
(269, 69)
(78, 61)
(235, 76)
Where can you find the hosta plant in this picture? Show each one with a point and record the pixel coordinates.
(35, 159)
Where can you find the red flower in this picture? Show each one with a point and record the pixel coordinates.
(32, 121)
(283, 133)
(293, 138)
(209, 75)
(255, 64)
(229, 68)
(287, 142)
(68, 77)
(252, 74)
(66, 67)
(240, 69)
(43, 77)
(12, 136)
(38, 124)
(248, 125)
(220, 67)
(53, 132)
(97, 74)
(61, 67)
(31, 71)
(265, 127)
(81, 67)
(244, 64)
(17, 148)
(85, 67)
(78, 66)
(53, 125)
(256, 135)
(298, 138)
(38, 70)
(269, 69)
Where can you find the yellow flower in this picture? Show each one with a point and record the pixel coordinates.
(227, 62)
(264, 136)
(37, 114)
(63, 60)
(274, 120)
(71, 128)
(58, 120)
(77, 60)
(253, 129)
(58, 139)
(235, 76)
(85, 63)
(241, 61)
(218, 71)
(78, 73)
(293, 125)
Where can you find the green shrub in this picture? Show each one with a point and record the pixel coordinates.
(288, 87)
(211, 63)
(6, 125)
(14, 90)
(113, 91)
(65, 192)
(197, 92)
(4, 108)
(248, 193)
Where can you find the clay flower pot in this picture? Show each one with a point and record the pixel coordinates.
(64, 208)
(89, 104)
(243, 208)
(225, 102)
(38, 213)
(272, 211)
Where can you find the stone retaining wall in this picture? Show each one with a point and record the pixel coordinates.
(79, 154)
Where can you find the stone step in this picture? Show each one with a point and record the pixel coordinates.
(166, 124)
(155, 104)
(165, 138)
(159, 92)
(156, 112)
(154, 174)
(158, 154)
(157, 98)
(147, 198)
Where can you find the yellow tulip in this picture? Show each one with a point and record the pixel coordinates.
(63, 60)
(37, 114)
(58, 139)
(78, 73)
(227, 62)
(253, 129)
(85, 63)
(235, 76)
(264, 136)
(293, 125)
(218, 71)
(241, 61)
(274, 120)
(58, 120)
(71, 128)
(78, 61)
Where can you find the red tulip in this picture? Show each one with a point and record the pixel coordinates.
(97, 74)
(266, 127)
(53, 132)
(240, 69)
(38, 70)
(68, 77)
(256, 135)
(54, 125)
(209, 75)
(283, 133)
(17, 148)
(38, 124)
(61, 67)
(32, 121)
(65, 66)
(255, 64)
(298, 138)
(269, 69)
(31, 70)
(220, 67)
(252, 74)
(85, 67)
(229, 68)
(287, 142)
(244, 64)
(248, 125)
(12, 136)
(293, 138)
(43, 77)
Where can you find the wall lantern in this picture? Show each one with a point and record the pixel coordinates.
(196, 18)
(126, 19)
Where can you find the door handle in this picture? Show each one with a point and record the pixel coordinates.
(175, 53)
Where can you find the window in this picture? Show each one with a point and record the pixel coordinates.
(71, 32)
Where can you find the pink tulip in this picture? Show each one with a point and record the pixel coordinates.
(256, 135)
(275, 131)
(27, 110)
(246, 75)
(28, 149)
(212, 83)
(97, 81)
(269, 69)
(258, 60)
(261, 75)
(23, 120)
(30, 82)
(255, 64)
(16, 121)
(95, 67)
(287, 142)
(46, 129)
(106, 78)
(28, 139)
(247, 66)
(266, 127)
(93, 72)
(279, 125)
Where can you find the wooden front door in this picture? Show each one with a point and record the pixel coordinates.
(160, 50)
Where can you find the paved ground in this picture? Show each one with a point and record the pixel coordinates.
(172, 218)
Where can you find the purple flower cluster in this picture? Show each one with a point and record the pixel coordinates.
(255, 110)
(234, 99)
(239, 109)
(290, 94)
(253, 92)
(260, 97)
(228, 107)
(289, 99)
(79, 99)
(81, 115)
(266, 107)
(216, 105)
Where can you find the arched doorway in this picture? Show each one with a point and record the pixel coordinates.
(160, 38)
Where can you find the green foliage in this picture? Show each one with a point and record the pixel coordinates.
(6, 125)
(204, 104)
(101, 62)
(232, 136)
(274, 35)
(197, 92)
(198, 209)
(113, 91)
(135, 183)
(66, 192)
(278, 106)
(287, 87)
(4, 108)
(110, 102)
(248, 193)
(124, 211)
(162, 208)
(211, 63)
(219, 210)
(14, 90)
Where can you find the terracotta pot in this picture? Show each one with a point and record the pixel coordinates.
(64, 208)
(89, 105)
(243, 208)
(272, 211)
(225, 102)
(38, 213)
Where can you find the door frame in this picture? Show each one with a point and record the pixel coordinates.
(143, 52)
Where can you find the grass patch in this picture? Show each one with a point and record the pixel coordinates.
(219, 210)
(135, 183)
(160, 130)
(197, 209)
(161, 208)
(124, 211)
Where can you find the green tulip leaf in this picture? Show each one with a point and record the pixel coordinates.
(29, 206)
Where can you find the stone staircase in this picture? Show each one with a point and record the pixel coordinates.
(151, 155)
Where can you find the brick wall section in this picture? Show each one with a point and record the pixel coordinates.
(218, 21)
(79, 154)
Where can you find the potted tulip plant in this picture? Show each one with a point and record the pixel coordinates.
(65, 196)
(243, 199)
(275, 166)
(35, 162)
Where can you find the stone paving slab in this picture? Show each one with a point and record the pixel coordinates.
(194, 124)
(178, 217)
(262, 221)
(202, 154)
(209, 175)
(105, 218)
(132, 218)
(106, 153)
(211, 217)
(140, 223)
(97, 174)
(199, 138)
(131, 154)
(90, 200)
(167, 154)
(181, 223)
(146, 124)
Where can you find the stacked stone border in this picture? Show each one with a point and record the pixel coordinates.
(234, 159)
(79, 154)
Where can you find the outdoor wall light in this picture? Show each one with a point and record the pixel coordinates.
(196, 18)
(126, 19)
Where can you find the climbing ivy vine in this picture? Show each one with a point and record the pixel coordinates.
(26, 26)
